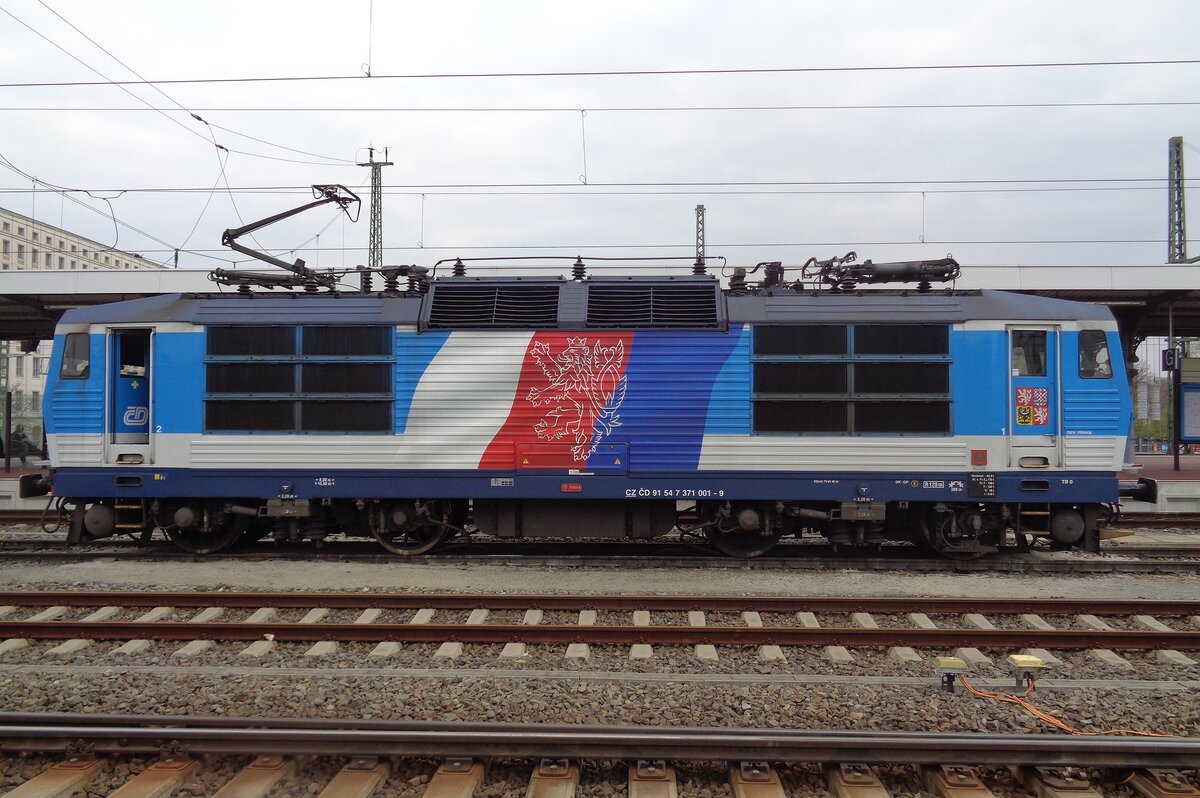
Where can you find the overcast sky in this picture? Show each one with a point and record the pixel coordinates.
(889, 183)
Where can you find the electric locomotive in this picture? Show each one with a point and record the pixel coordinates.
(593, 406)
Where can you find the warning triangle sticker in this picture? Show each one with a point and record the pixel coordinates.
(525, 461)
(617, 461)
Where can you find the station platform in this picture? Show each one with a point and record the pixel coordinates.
(1178, 491)
(1161, 466)
(9, 500)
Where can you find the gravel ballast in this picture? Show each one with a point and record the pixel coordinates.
(480, 698)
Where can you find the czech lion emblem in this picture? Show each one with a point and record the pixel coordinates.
(584, 393)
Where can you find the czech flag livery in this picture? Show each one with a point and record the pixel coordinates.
(576, 400)
(568, 400)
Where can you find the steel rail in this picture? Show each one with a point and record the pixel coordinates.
(1151, 550)
(213, 736)
(518, 601)
(1159, 520)
(611, 635)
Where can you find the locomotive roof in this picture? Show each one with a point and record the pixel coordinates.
(572, 310)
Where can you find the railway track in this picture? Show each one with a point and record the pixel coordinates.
(968, 627)
(57, 643)
(1160, 520)
(366, 754)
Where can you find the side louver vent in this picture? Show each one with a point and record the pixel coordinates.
(466, 307)
(642, 305)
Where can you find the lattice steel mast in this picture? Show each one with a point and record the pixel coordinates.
(1176, 212)
(375, 244)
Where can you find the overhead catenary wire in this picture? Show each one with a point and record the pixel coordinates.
(172, 99)
(629, 72)
(68, 195)
(572, 247)
(207, 136)
(675, 188)
(142, 81)
(681, 192)
(1039, 184)
(627, 108)
(107, 80)
(212, 193)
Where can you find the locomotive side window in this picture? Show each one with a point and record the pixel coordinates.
(901, 339)
(251, 341)
(249, 416)
(346, 378)
(1094, 363)
(299, 379)
(801, 417)
(902, 378)
(347, 341)
(75, 361)
(800, 378)
(863, 379)
(1029, 353)
(800, 339)
(251, 377)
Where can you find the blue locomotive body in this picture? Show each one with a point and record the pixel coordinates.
(553, 407)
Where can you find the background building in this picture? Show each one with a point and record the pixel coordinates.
(27, 244)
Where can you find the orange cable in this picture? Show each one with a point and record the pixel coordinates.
(1047, 718)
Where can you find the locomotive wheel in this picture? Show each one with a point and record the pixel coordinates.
(216, 539)
(740, 544)
(411, 542)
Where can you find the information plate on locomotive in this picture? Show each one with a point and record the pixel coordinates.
(982, 486)
(864, 511)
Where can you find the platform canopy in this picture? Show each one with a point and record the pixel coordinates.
(1144, 298)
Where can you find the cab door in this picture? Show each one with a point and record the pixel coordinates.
(129, 393)
(1034, 397)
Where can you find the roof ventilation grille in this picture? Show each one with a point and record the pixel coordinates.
(642, 306)
(467, 307)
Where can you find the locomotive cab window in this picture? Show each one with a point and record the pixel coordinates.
(76, 357)
(1029, 353)
(1094, 362)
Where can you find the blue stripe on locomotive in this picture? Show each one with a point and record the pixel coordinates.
(673, 384)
